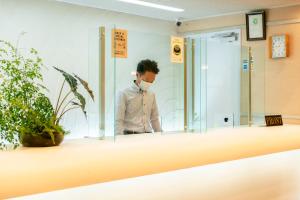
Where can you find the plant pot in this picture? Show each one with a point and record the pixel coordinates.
(42, 140)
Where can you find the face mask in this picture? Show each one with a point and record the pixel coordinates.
(144, 85)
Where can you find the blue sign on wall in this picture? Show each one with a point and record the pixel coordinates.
(245, 65)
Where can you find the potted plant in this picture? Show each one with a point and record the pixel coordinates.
(26, 114)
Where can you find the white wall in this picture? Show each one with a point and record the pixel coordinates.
(60, 32)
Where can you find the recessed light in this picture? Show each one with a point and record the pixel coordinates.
(153, 5)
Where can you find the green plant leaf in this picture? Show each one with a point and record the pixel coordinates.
(86, 86)
(69, 78)
(75, 103)
(82, 102)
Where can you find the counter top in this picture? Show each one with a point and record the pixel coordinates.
(269, 177)
(86, 161)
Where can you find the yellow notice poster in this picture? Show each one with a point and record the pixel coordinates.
(119, 43)
(177, 49)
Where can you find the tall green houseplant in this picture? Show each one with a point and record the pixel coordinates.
(26, 113)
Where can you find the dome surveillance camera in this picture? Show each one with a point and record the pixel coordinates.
(178, 23)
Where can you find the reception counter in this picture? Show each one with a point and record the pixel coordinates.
(269, 177)
(85, 161)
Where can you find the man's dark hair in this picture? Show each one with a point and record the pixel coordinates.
(147, 66)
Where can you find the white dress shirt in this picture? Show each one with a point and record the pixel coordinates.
(137, 111)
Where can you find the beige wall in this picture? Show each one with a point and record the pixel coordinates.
(206, 24)
(275, 82)
(283, 75)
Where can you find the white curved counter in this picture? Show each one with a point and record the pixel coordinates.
(269, 177)
(86, 161)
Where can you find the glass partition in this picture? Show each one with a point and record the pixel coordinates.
(220, 84)
(101, 79)
(169, 84)
(197, 83)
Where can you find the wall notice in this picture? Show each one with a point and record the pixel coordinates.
(177, 49)
(119, 43)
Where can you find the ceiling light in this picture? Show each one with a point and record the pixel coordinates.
(153, 5)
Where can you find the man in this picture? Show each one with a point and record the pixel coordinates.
(136, 109)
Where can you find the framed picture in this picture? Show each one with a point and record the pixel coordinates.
(279, 46)
(256, 25)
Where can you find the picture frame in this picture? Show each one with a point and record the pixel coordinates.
(256, 25)
(279, 46)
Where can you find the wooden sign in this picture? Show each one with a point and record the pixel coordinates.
(273, 120)
(177, 49)
(119, 43)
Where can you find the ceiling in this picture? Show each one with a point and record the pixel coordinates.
(194, 9)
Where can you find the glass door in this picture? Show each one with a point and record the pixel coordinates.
(213, 64)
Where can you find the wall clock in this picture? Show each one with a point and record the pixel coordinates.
(279, 46)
